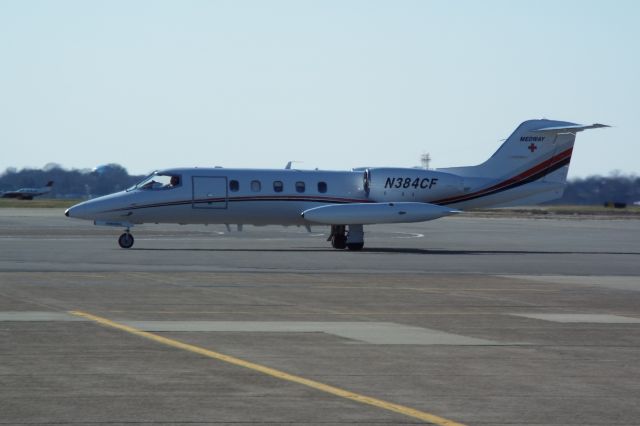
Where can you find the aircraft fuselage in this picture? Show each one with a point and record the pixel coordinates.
(261, 197)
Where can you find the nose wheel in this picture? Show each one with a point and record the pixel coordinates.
(126, 240)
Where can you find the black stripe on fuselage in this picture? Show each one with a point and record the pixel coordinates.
(530, 179)
(310, 199)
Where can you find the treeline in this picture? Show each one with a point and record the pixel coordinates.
(75, 183)
(599, 190)
(113, 177)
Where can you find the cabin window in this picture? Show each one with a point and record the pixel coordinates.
(278, 186)
(256, 186)
(322, 187)
(299, 186)
(234, 185)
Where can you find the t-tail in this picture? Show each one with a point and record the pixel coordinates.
(530, 167)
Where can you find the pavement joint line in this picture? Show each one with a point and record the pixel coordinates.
(371, 332)
(363, 399)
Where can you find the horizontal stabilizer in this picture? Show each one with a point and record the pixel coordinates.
(370, 213)
(569, 129)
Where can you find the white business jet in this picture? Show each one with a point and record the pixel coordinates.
(28, 193)
(530, 167)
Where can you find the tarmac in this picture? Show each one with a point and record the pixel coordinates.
(460, 321)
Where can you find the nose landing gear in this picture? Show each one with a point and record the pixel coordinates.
(126, 240)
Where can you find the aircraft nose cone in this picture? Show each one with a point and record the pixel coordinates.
(73, 212)
(88, 210)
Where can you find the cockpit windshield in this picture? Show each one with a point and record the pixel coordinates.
(157, 180)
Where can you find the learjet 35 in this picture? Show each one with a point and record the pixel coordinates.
(530, 167)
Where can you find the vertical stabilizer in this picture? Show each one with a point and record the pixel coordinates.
(527, 147)
(533, 160)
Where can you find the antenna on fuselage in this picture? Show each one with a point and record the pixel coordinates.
(288, 166)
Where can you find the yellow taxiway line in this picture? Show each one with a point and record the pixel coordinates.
(390, 406)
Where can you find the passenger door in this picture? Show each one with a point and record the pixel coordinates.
(209, 192)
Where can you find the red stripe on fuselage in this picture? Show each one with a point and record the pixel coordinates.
(307, 198)
(522, 176)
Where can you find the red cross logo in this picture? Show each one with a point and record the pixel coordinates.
(532, 147)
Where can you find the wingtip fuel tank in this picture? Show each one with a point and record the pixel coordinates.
(370, 213)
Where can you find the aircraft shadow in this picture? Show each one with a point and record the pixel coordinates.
(479, 252)
(387, 250)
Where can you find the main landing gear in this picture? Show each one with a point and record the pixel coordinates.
(338, 238)
(126, 240)
(341, 238)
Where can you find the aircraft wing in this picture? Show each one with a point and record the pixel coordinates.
(370, 213)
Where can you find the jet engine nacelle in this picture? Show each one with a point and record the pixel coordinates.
(387, 184)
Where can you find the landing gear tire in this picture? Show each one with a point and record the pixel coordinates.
(355, 237)
(126, 240)
(355, 246)
(339, 242)
(338, 237)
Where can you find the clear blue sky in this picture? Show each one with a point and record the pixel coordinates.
(334, 84)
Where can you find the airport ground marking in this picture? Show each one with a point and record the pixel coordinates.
(363, 399)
